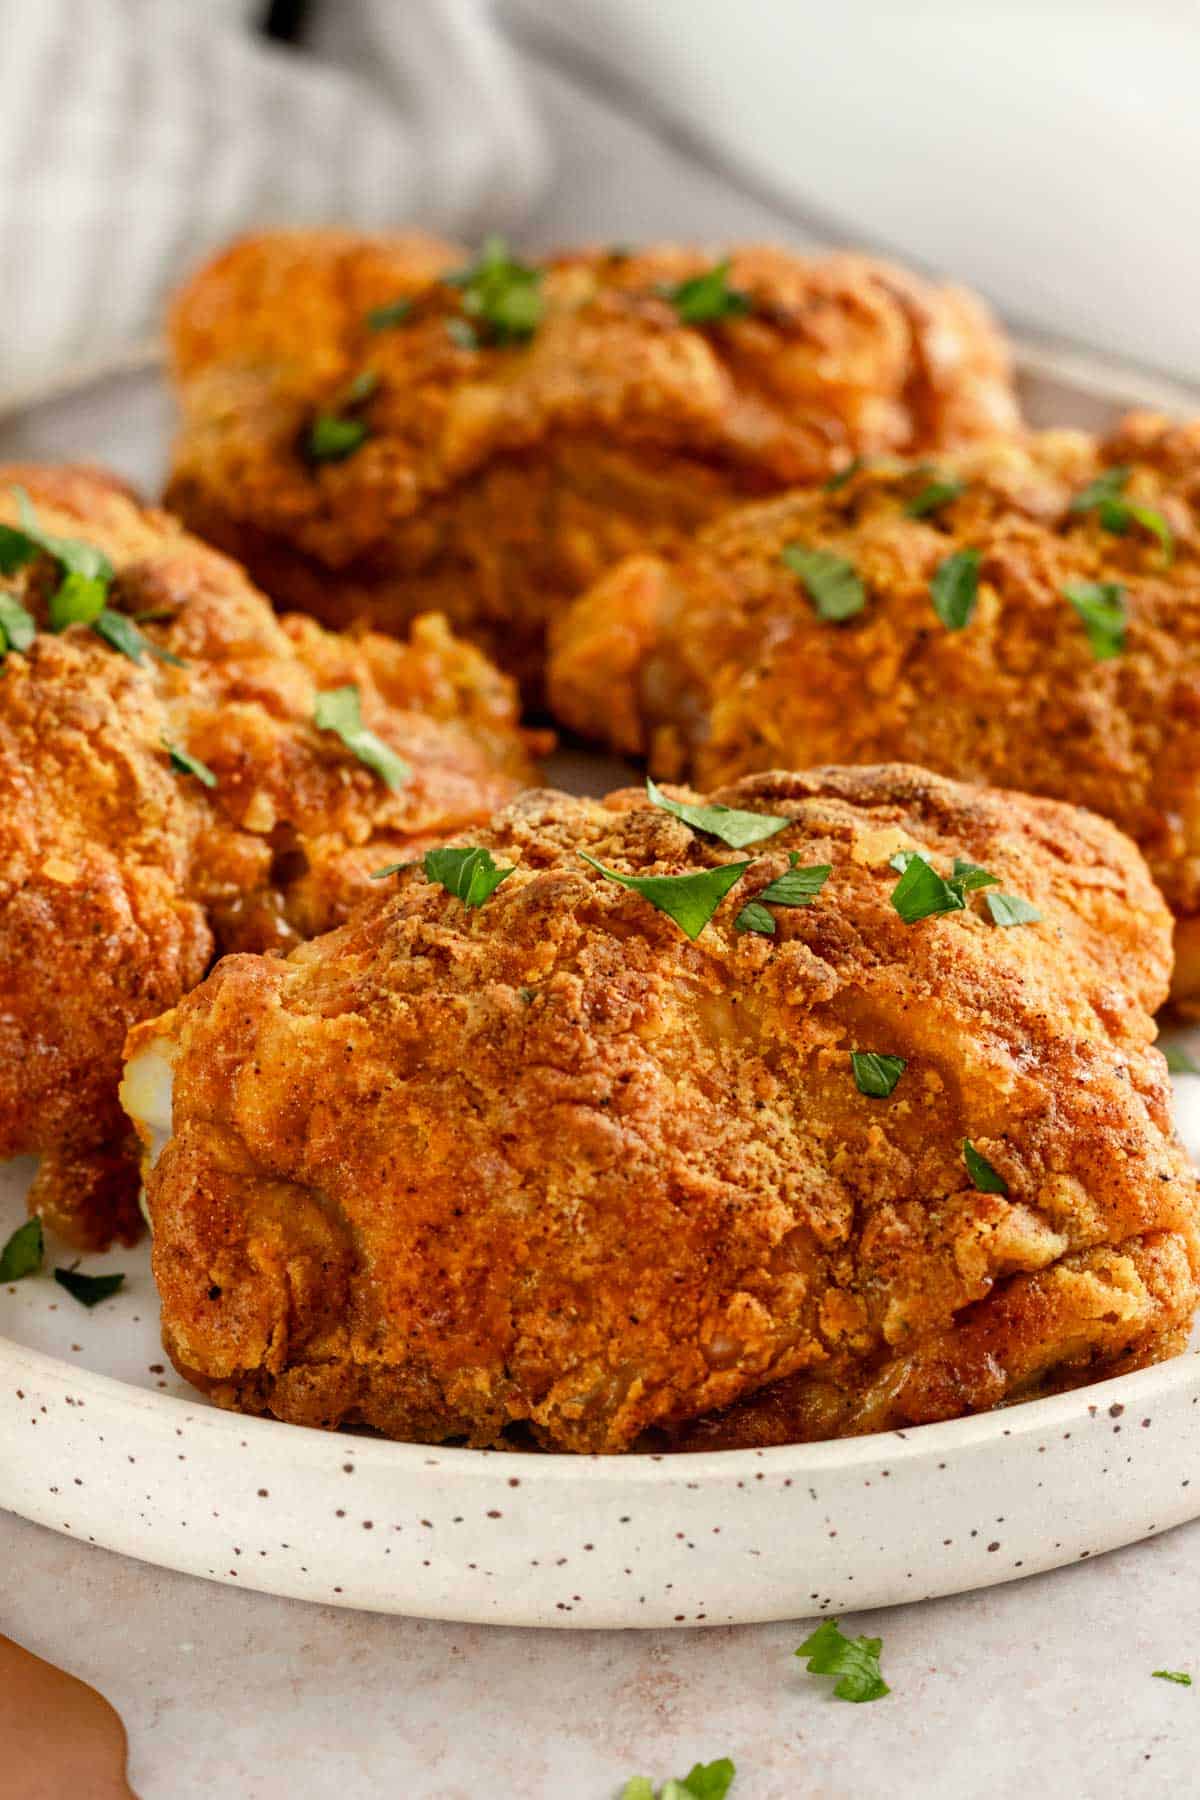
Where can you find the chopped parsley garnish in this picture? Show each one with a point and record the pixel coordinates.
(332, 438)
(17, 627)
(462, 334)
(469, 873)
(186, 764)
(120, 631)
(737, 829)
(1010, 909)
(798, 886)
(921, 893)
(934, 495)
(1105, 496)
(854, 1660)
(708, 298)
(386, 318)
(22, 1255)
(358, 390)
(89, 1290)
(845, 474)
(500, 296)
(339, 710)
(1177, 1675)
(1180, 1061)
(832, 584)
(1101, 606)
(704, 1781)
(876, 1075)
(85, 571)
(983, 1176)
(954, 589)
(691, 900)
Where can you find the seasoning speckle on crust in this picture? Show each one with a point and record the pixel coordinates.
(652, 1191)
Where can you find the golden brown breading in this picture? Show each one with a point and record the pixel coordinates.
(717, 664)
(548, 1160)
(498, 481)
(120, 875)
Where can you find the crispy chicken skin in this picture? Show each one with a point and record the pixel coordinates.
(549, 1161)
(497, 482)
(716, 664)
(121, 875)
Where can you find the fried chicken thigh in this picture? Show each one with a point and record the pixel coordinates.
(1072, 668)
(156, 812)
(502, 435)
(548, 1161)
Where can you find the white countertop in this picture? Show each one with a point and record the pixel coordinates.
(1044, 1685)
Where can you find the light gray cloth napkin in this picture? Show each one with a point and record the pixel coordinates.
(136, 135)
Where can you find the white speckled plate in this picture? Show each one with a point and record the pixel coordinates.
(99, 1437)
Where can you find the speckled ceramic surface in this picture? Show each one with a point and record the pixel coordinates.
(100, 1439)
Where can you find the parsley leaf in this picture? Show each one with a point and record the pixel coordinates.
(833, 585)
(799, 886)
(691, 900)
(1106, 497)
(187, 764)
(983, 1176)
(332, 438)
(954, 589)
(845, 474)
(386, 318)
(704, 1781)
(855, 1660)
(934, 495)
(737, 829)
(22, 1255)
(921, 893)
(17, 627)
(85, 570)
(1180, 1061)
(358, 389)
(462, 334)
(969, 875)
(1101, 606)
(390, 869)
(1010, 909)
(468, 873)
(89, 1290)
(876, 1075)
(339, 710)
(1176, 1675)
(120, 631)
(707, 298)
(501, 295)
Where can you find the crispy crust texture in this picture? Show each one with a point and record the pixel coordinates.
(499, 482)
(716, 664)
(121, 876)
(549, 1164)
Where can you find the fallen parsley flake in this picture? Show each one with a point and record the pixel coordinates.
(89, 1290)
(855, 1660)
(832, 584)
(339, 710)
(983, 1176)
(1176, 1675)
(22, 1255)
(876, 1075)
(704, 1781)
(737, 829)
(691, 900)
